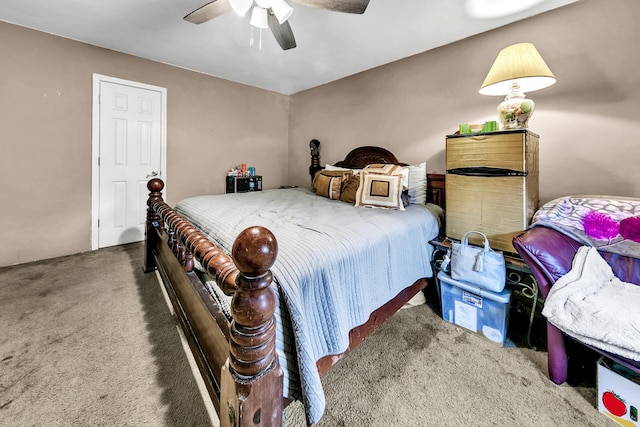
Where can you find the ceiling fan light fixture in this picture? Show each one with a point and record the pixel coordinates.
(241, 7)
(266, 4)
(259, 18)
(281, 10)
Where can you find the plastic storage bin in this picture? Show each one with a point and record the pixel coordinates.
(475, 309)
(618, 392)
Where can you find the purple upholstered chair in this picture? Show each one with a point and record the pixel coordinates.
(549, 255)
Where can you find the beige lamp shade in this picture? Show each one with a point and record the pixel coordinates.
(519, 64)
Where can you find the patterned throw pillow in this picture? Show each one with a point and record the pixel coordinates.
(384, 169)
(391, 169)
(414, 179)
(329, 183)
(379, 190)
(350, 189)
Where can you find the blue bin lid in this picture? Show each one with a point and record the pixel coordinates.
(502, 297)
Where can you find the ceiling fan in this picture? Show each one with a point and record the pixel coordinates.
(272, 14)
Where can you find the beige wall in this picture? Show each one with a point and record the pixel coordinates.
(45, 111)
(588, 121)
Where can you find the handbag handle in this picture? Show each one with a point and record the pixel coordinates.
(465, 239)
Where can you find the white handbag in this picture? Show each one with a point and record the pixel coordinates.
(478, 265)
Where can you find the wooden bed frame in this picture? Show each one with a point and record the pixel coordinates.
(238, 360)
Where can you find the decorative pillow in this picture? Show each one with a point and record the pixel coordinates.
(380, 191)
(600, 226)
(383, 168)
(630, 228)
(329, 183)
(390, 169)
(349, 189)
(418, 183)
(329, 167)
(404, 171)
(328, 186)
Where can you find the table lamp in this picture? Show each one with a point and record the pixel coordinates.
(517, 69)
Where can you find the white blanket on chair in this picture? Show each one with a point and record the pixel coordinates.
(592, 305)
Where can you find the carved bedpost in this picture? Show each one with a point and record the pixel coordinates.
(314, 144)
(251, 384)
(155, 187)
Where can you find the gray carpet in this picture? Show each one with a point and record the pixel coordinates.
(89, 341)
(418, 370)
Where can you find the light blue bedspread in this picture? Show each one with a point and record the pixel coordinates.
(336, 264)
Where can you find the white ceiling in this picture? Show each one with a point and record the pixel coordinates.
(331, 45)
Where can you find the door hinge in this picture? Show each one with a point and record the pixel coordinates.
(98, 161)
(98, 222)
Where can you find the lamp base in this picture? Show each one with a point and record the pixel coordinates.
(515, 111)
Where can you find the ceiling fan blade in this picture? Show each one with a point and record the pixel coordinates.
(209, 11)
(346, 6)
(282, 32)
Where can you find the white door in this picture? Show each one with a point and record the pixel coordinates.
(131, 150)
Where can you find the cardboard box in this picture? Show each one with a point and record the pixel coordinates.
(618, 392)
(475, 309)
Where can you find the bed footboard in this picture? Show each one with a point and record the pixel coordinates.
(238, 361)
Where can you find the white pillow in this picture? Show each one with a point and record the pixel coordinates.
(418, 183)
(404, 171)
(338, 168)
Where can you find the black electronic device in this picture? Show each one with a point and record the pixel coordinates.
(243, 184)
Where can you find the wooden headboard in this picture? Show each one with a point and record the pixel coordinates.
(360, 157)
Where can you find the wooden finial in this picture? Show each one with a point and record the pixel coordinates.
(252, 378)
(253, 328)
(155, 185)
(254, 251)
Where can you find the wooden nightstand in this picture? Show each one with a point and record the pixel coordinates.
(436, 189)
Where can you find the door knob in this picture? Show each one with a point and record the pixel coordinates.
(152, 174)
